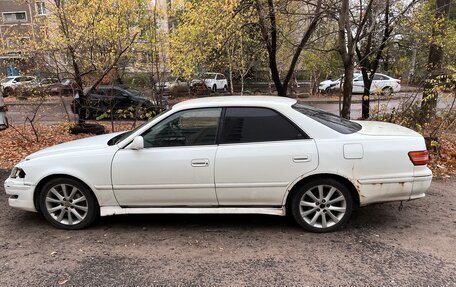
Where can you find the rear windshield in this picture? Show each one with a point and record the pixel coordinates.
(332, 121)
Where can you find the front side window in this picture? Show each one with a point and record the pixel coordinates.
(359, 79)
(243, 125)
(185, 128)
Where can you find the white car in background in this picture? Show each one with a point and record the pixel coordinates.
(381, 84)
(244, 155)
(213, 81)
(10, 84)
(327, 86)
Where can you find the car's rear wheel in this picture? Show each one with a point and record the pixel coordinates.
(214, 88)
(387, 91)
(225, 89)
(68, 204)
(322, 205)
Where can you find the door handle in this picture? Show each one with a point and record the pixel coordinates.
(302, 158)
(200, 162)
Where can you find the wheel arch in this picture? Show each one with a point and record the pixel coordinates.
(345, 181)
(46, 179)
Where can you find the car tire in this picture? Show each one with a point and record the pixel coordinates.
(322, 205)
(387, 91)
(214, 88)
(85, 128)
(7, 92)
(68, 204)
(225, 89)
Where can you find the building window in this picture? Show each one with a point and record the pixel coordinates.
(14, 17)
(40, 8)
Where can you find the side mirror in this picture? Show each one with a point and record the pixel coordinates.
(137, 143)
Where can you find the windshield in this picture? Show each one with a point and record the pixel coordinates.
(7, 79)
(118, 138)
(332, 121)
(207, 76)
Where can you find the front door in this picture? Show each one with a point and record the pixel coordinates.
(176, 166)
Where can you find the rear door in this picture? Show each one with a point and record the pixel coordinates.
(259, 155)
(378, 83)
(358, 84)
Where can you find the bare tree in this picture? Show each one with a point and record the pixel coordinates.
(370, 52)
(435, 64)
(267, 21)
(350, 32)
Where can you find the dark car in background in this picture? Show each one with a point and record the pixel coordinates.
(66, 87)
(118, 101)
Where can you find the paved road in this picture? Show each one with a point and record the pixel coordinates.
(381, 246)
(52, 113)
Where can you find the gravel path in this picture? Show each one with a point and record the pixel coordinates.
(381, 246)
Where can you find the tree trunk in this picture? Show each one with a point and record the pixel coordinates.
(435, 65)
(346, 50)
(242, 85)
(365, 100)
(347, 89)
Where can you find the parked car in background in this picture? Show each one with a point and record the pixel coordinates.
(213, 81)
(328, 85)
(11, 84)
(240, 154)
(37, 88)
(112, 98)
(66, 87)
(174, 86)
(381, 84)
(46, 82)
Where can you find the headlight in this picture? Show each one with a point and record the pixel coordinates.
(17, 173)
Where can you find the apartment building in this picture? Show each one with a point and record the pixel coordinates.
(19, 24)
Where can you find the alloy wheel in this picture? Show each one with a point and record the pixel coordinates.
(322, 206)
(66, 204)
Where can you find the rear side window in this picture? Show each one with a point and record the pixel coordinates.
(332, 121)
(243, 125)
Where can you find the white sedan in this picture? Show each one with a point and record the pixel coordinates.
(264, 155)
(381, 84)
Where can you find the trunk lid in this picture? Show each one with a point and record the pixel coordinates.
(373, 128)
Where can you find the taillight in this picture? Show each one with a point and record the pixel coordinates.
(419, 157)
(398, 81)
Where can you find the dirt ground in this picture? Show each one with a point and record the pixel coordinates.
(381, 246)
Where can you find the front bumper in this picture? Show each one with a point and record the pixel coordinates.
(20, 194)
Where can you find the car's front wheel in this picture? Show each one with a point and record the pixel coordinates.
(322, 205)
(68, 204)
(387, 91)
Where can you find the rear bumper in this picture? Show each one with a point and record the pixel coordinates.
(20, 194)
(393, 189)
(420, 185)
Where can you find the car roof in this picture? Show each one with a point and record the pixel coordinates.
(223, 101)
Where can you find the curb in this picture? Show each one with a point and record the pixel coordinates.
(336, 101)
